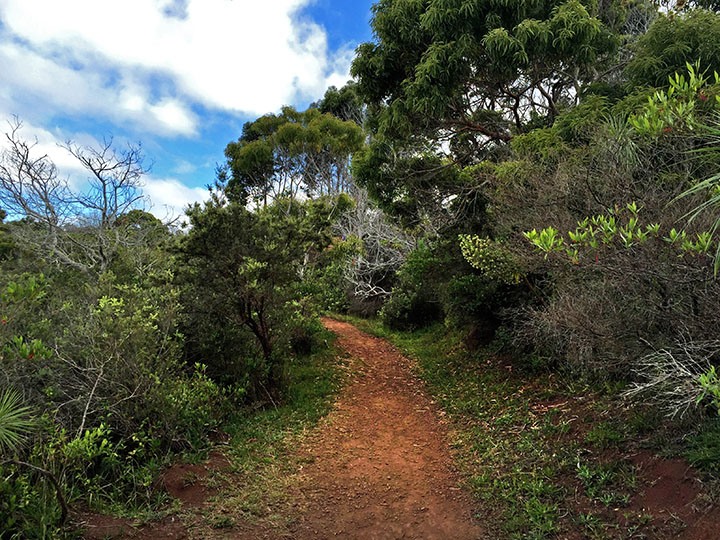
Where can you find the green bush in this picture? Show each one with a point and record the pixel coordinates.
(186, 409)
(28, 505)
(325, 282)
(305, 333)
(103, 468)
(414, 301)
(113, 393)
(471, 298)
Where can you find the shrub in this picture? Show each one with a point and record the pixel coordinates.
(305, 331)
(186, 409)
(28, 505)
(414, 302)
(474, 298)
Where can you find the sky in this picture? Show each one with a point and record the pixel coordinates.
(179, 77)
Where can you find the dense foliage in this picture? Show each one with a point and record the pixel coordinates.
(542, 174)
(571, 147)
(125, 340)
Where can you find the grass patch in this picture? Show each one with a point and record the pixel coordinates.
(262, 442)
(703, 449)
(605, 435)
(529, 442)
(609, 484)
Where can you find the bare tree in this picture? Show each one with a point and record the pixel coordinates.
(30, 189)
(383, 248)
(114, 190)
(79, 230)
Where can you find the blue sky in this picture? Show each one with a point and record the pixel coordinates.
(179, 76)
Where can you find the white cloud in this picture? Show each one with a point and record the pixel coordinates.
(155, 67)
(170, 197)
(148, 62)
(184, 167)
(42, 87)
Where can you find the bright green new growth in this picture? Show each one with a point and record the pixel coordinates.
(674, 108)
(615, 228)
(710, 384)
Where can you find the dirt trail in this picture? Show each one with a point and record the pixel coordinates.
(378, 467)
(381, 467)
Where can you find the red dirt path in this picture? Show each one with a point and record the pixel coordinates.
(381, 466)
(378, 466)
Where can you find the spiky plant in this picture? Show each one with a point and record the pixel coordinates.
(15, 421)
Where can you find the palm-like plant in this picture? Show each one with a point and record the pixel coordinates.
(15, 422)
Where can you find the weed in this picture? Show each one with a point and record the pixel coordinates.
(643, 422)
(591, 523)
(604, 435)
(221, 522)
(608, 484)
(640, 520)
(704, 448)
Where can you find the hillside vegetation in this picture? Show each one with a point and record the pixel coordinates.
(540, 178)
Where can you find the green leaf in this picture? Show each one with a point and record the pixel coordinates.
(15, 422)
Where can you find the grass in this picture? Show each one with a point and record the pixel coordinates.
(605, 435)
(261, 445)
(703, 449)
(542, 452)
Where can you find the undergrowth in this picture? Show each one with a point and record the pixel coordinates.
(262, 441)
(546, 454)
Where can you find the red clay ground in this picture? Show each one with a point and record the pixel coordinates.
(379, 467)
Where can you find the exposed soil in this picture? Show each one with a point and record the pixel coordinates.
(186, 482)
(672, 494)
(379, 467)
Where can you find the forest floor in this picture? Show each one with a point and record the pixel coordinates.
(380, 466)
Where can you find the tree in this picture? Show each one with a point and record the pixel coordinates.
(80, 230)
(455, 68)
(239, 271)
(672, 41)
(344, 103)
(291, 153)
(382, 248)
(450, 83)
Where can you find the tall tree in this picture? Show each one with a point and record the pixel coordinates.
(345, 103)
(672, 41)
(291, 153)
(450, 68)
(239, 269)
(450, 83)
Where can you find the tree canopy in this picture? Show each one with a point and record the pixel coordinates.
(452, 68)
(291, 153)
